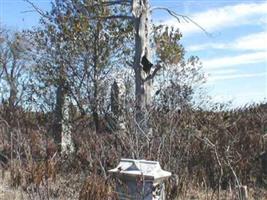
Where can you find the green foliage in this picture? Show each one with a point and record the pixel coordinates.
(168, 47)
(76, 46)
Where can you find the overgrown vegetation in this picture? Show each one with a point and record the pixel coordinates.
(210, 151)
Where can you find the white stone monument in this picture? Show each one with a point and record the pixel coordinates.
(140, 180)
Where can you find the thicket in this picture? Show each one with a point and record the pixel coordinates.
(212, 150)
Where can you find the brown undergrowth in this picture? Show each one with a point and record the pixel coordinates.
(210, 153)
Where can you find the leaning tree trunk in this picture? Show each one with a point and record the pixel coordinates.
(140, 11)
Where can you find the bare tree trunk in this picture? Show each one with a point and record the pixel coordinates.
(114, 100)
(95, 80)
(62, 126)
(67, 146)
(140, 10)
(58, 113)
(11, 108)
(95, 107)
(12, 95)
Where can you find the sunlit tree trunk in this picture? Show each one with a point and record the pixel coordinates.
(62, 126)
(58, 116)
(140, 11)
(66, 135)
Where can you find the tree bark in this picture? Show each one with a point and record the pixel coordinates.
(95, 105)
(62, 126)
(140, 11)
(12, 95)
(58, 113)
(66, 136)
(114, 100)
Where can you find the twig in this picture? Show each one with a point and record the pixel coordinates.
(27, 11)
(37, 9)
(42, 13)
(236, 179)
(142, 131)
(184, 17)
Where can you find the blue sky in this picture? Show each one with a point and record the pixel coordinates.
(234, 57)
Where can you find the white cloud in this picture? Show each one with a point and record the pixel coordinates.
(235, 76)
(255, 41)
(201, 47)
(219, 18)
(230, 61)
(221, 71)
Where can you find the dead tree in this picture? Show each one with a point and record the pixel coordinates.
(140, 11)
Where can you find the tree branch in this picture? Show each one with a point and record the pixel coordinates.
(111, 3)
(151, 76)
(180, 16)
(38, 10)
(112, 17)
